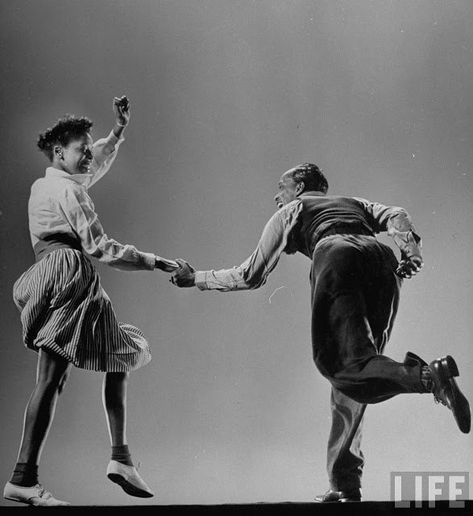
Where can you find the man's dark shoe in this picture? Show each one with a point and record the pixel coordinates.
(411, 359)
(446, 391)
(339, 496)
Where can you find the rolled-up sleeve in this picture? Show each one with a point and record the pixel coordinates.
(398, 224)
(78, 209)
(104, 152)
(253, 272)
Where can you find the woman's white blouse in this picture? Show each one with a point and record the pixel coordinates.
(59, 203)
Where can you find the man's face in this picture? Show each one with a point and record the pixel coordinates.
(288, 189)
(77, 155)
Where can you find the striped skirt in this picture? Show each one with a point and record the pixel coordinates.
(64, 309)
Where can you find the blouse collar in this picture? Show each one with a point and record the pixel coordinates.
(77, 178)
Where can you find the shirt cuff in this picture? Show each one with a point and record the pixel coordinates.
(149, 260)
(200, 278)
(112, 144)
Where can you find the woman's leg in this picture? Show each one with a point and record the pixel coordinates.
(120, 469)
(114, 401)
(51, 375)
(23, 486)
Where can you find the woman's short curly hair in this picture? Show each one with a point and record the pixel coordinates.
(65, 129)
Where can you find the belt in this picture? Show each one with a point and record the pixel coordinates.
(56, 241)
(345, 229)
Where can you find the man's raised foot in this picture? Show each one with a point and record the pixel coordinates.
(446, 391)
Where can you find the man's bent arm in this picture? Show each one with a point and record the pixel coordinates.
(398, 224)
(252, 273)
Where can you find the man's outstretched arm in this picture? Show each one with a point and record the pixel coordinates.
(252, 273)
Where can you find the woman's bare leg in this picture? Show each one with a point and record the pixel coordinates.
(120, 469)
(51, 375)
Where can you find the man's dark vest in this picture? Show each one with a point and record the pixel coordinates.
(327, 215)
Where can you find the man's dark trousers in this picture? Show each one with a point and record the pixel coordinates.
(355, 296)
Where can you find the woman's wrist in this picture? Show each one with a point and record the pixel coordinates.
(118, 129)
(164, 264)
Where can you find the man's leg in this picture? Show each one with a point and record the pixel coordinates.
(355, 294)
(344, 456)
(353, 314)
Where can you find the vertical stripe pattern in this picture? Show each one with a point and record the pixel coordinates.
(65, 309)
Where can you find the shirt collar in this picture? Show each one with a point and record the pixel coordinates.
(81, 179)
(312, 193)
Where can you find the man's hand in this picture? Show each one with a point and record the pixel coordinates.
(184, 276)
(409, 266)
(121, 108)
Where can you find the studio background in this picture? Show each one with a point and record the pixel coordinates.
(225, 96)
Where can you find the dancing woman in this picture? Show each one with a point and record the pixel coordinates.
(67, 317)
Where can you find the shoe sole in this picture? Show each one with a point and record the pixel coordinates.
(340, 500)
(343, 499)
(26, 502)
(127, 487)
(460, 406)
(16, 500)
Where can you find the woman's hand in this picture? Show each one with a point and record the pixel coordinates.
(121, 107)
(165, 265)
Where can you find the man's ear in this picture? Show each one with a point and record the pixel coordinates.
(300, 187)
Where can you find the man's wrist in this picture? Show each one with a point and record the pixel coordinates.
(200, 279)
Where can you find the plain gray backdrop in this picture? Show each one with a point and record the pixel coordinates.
(225, 96)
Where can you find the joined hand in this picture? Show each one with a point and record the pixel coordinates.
(184, 276)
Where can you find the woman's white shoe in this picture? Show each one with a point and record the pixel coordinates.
(35, 495)
(128, 478)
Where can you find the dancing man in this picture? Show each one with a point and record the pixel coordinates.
(67, 317)
(355, 283)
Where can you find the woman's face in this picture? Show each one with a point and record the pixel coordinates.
(76, 156)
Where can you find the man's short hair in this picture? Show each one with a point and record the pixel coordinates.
(312, 177)
(66, 129)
